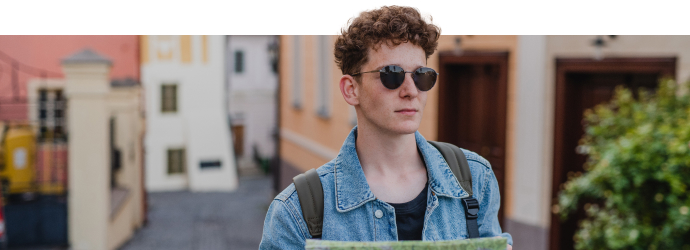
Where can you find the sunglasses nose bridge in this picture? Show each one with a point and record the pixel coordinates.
(408, 85)
(410, 75)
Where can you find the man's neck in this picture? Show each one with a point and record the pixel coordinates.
(391, 163)
(386, 152)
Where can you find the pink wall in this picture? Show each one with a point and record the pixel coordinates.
(46, 53)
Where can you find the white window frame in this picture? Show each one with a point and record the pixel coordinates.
(176, 102)
(183, 161)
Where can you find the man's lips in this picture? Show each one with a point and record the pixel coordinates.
(407, 111)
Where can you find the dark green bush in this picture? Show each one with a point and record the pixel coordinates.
(638, 172)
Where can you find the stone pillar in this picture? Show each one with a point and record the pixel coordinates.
(87, 84)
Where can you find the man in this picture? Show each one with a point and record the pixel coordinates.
(387, 183)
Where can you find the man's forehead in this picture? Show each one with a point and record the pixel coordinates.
(403, 55)
(376, 46)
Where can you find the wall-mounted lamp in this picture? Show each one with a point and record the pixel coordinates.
(598, 43)
(274, 53)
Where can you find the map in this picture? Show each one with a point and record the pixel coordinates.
(469, 244)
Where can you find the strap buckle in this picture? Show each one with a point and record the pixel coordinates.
(471, 207)
(471, 210)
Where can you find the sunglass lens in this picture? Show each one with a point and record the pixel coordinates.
(392, 76)
(424, 78)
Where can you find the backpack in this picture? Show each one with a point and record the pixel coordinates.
(310, 191)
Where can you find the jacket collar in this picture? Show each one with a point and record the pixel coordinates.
(352, 189)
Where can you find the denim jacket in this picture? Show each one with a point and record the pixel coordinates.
(353, 213)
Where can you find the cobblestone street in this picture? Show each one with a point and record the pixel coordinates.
(206, 221)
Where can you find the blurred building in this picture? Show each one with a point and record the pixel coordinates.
(188, 142)
(76, 115)
(252, 84)
(28, 57)
(515, 100)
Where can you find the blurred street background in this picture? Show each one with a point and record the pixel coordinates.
(185, 220)
(181, 142)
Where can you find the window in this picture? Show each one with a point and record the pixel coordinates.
(176, 161)
(51, 115)
(297, 73)
(323, 76)
(169, 98)
(239, 61)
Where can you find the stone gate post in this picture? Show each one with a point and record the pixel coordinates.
(87, 84)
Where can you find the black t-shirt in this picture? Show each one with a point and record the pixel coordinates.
(409, 216)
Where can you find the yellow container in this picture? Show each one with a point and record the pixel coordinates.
(19, 147)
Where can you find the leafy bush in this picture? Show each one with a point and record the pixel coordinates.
(638, 172)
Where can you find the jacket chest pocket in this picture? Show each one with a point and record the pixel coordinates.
(445, 223)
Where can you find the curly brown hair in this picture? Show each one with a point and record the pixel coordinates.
(390, 24)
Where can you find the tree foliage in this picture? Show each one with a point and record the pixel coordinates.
(638, 172)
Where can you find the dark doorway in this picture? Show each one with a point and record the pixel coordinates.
(582, 84)
(472, 106)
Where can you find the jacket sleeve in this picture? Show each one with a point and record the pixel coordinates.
(488, 209)
(281, 228)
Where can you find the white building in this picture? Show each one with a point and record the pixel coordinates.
(252, 80)
(188, 140)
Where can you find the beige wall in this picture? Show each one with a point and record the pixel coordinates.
(623, 46)
(120, 228)
(124, 104)
(529, 169)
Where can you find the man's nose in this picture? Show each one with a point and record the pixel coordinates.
(408, 89)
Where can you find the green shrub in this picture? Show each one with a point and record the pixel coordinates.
(638, 172)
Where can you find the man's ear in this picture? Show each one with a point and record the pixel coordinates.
(350, 89)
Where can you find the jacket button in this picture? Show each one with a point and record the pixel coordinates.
(378, 214)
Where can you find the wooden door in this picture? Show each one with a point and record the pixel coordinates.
(472, 106)
(582, 84)
(238, 139)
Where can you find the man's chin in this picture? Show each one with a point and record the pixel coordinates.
(404, 129)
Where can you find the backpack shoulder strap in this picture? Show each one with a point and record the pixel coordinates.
(310, 193)
(457, 162)
(461, 169)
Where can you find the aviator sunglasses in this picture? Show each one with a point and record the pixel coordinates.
(393, 76)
